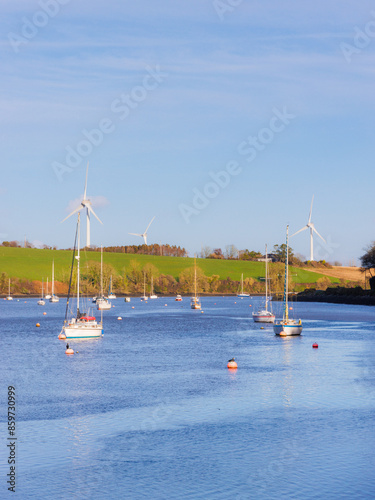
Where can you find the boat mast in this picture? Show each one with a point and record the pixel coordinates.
(242, 284)
(9, 288)
(266, 281)
(195, 278)
(286, 314)
(53, 278)
(101, 270)
(78, 256)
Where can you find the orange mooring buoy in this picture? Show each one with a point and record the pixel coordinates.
(44, 313)
(38, 324)
(69, 350)
(62, 336)
(232, 364)
(315, 345)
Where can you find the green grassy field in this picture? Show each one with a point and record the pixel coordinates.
(35, 264)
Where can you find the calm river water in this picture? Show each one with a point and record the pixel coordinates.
(150, 410)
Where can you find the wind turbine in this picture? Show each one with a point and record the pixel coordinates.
(85, 203)
(144, 235)
(310, 225)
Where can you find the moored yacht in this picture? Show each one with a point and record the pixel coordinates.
(287, 327)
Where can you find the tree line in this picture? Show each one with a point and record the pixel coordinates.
(131, 279)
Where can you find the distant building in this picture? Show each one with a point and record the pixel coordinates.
(271, 257)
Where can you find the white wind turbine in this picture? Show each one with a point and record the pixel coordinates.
(310, 225)
(85, 203)
(144, 235)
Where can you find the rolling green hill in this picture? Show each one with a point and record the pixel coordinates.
(35, 264)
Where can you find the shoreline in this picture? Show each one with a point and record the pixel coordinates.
(339, 295)
(122, 295)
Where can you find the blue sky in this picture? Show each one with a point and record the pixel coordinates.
(223, 71)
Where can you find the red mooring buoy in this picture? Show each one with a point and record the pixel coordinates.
(315, 345)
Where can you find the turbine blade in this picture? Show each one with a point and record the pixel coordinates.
(312, 201)
(87, 171)
(300, 230)
(152, 220)
(320, 236)
(136, 234)
(74, 212)
(90, 209)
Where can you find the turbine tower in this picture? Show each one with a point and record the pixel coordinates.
(85, 203)
(310, 225)
(144, 235)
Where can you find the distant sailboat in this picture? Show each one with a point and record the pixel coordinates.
(152, 295)
(82, 325)
(287, 327)
(144, 297)
(41, 301)
(102, 303)
(264, 315)
(195, 302)
(9, 295)
(178, 298)
(54, 298)
(111, 295)
(242, 294)
(47, 296)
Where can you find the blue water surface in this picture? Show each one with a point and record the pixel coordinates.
(151, 411)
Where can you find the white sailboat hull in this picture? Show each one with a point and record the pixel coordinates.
(83, 330)
(241, 295)
(195, 304)
(112, 296)
(153, 296)
(263, 317)
(41, 302)
(287, 328)
(54, 298)
(9, 297)
(103, 305)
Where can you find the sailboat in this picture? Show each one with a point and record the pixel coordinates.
(102, 303)
(194, 301)
(48, 296)
(144, 297)
(54, 298)
(41, 301)
(264, 315)
(82, 325)
(111, 295)
(9, 295)
(287, 327)
(152, 295)
(241, 295)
